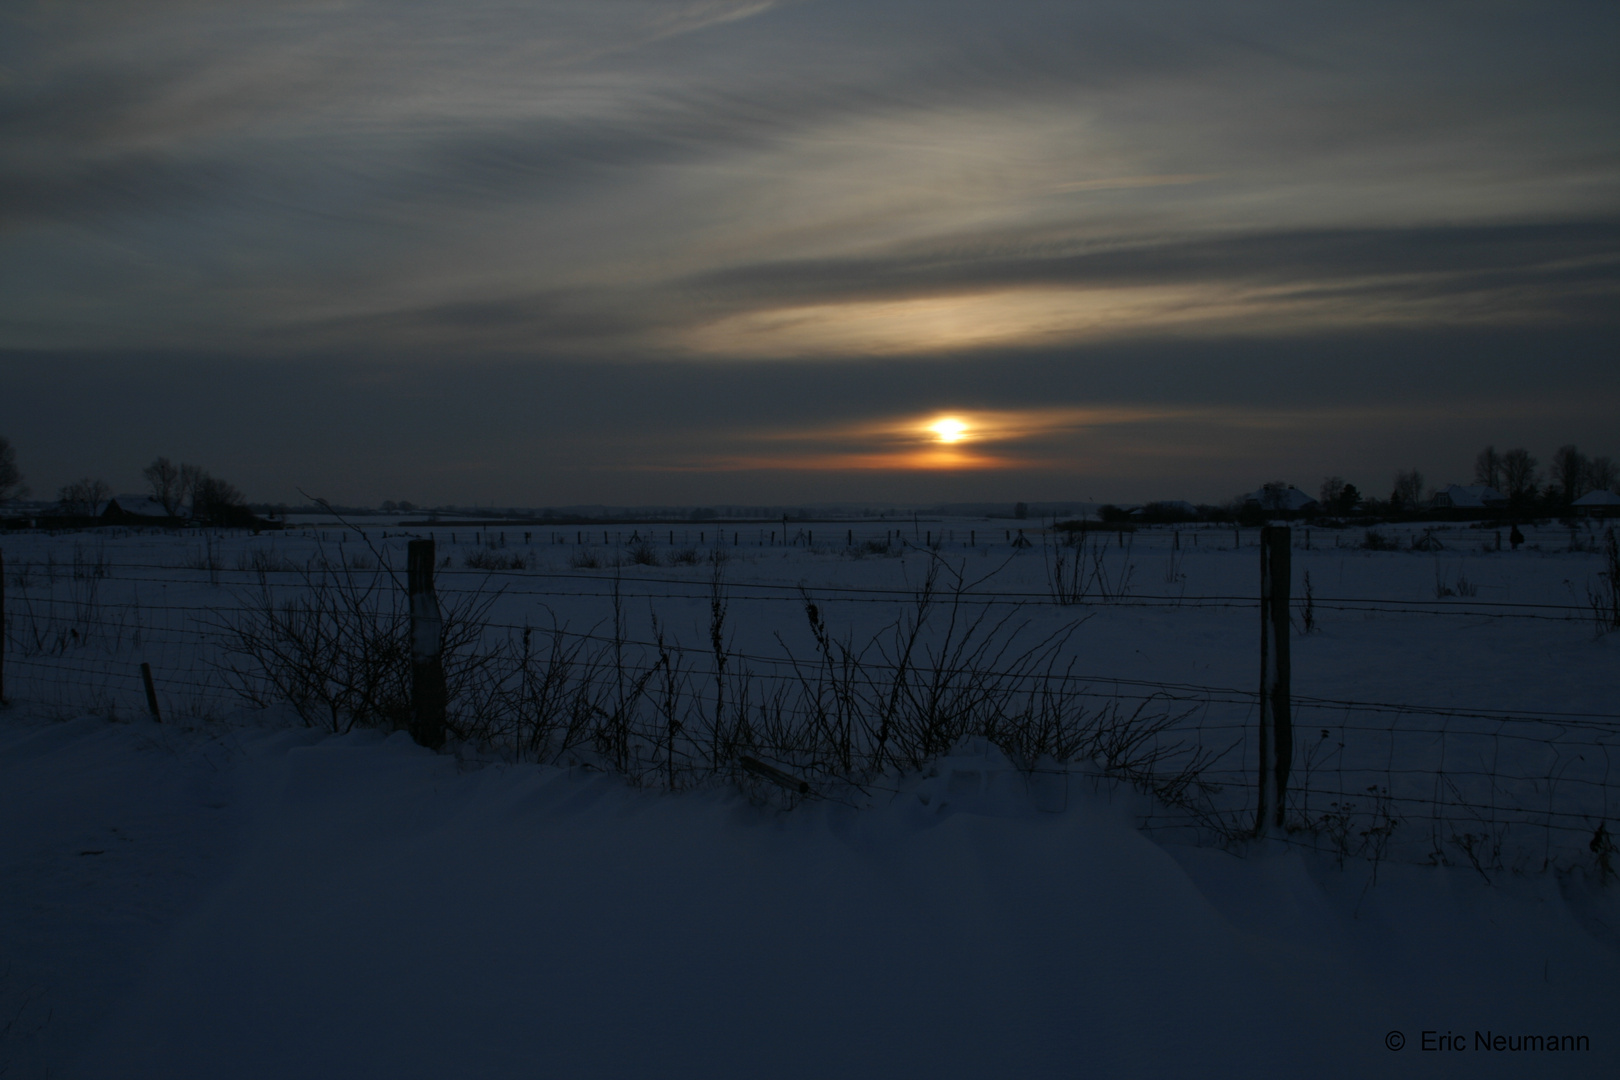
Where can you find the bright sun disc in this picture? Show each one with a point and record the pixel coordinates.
(949, 430)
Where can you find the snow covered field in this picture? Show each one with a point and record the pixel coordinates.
(236, 893)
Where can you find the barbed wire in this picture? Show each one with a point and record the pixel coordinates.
(1451, 769)
(744, 591)
(213, 611)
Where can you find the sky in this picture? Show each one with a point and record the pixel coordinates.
(627, 252)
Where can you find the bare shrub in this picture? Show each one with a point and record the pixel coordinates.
(1175, 571)
(335, 644)
(1066, 568)
(1078, 568)
(947, 669)
(1605, 598)
(262, 560)
(1351, 831)
(207, 559)
(489, 560)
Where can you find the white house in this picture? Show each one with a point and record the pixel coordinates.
(1472, 497)
(125, 507)
(1597, 499)
(1276, 497)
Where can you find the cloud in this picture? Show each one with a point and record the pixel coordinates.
(613, 210)
(1124, 421)
(972, 294)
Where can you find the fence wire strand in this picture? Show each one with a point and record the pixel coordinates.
(1491, 788)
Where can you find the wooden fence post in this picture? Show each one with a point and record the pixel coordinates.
(151, 692)
(1276, 722)
(429, 698)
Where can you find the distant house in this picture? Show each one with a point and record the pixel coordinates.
(1599, 501)
(1275, 497)
(1472, 497)
(135, 510)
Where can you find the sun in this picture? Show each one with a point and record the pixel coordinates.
(949, 430)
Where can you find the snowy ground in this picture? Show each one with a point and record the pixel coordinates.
(234, 894)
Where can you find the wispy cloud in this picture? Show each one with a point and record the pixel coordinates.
(1034, 201)
(244, 177)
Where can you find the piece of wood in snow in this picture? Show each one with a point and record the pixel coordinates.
(775, 775)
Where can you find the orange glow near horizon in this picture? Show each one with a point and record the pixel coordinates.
(1058, 440)
(959, 440)
(939, 458)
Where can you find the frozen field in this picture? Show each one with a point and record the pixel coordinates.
(1459, 703)
(259, 892)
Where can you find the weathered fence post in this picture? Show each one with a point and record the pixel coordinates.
(1276, 723)
(151, 692)
(429, 698)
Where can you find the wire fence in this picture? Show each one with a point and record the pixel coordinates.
(815, 713)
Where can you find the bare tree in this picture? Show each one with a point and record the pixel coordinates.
(11, 478)
(83, 498)
(1332, 491)
(1488, 468)
(1519, 473)
(169, 484)
(1601, 474)
(1408, 491)
(212, 499)
(1569, 469)
(1274, 495)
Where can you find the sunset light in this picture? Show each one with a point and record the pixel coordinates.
(832, 483)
